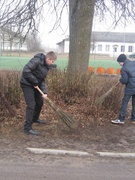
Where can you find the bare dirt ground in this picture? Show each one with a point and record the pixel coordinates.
(91, 134)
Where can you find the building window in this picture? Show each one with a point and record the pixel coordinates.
(122, 48)
(115, 49)
(107, 47)
(99, 47)
(130, 48)
(92, 47)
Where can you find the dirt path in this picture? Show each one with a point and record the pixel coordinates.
(89, 136)
(117, 138)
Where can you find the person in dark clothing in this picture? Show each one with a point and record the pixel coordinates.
(127, 78)
(33, 76)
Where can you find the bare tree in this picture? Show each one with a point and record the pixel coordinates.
(24, 16)
(34, 42)
(20, 15)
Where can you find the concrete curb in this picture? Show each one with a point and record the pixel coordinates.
(80, 153)
(58, 152)
(115, 154)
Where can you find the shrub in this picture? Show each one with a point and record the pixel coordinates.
(87, 86)
(10, 87)
(82, 90)
(67, 89)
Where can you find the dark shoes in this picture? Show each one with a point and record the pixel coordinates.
(32, 132)
(39, 121)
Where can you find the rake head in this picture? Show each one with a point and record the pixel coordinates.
(66, 118)
(70, 122)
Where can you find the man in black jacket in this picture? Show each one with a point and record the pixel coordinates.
(127, 78)
(33, 76)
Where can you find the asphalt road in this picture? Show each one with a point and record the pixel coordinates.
(67, 168)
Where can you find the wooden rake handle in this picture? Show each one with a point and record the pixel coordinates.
(53, 106)
(116, 84)
(40, 90)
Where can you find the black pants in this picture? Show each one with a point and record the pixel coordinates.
(34, 102)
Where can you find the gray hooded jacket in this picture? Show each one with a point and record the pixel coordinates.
(128, 76)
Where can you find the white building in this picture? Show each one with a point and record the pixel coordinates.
(109, 43)
(11, 42)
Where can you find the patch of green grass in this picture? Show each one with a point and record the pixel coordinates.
(104, 63)
(8, 62)
(62, 63)
(12, 62)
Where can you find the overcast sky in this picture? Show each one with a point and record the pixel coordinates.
(58, 34)
(50, 39)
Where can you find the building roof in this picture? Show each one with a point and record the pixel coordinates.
(12, 33)
(102, 36)
(113, 37)
(66, 39)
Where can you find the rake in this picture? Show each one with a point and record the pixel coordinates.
(66, 118)
(103, 97)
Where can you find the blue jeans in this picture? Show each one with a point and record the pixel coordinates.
(124, 105)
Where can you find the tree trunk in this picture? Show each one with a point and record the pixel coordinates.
(81, 18)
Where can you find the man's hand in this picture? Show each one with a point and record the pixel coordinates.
(36, 87)
(43, 95)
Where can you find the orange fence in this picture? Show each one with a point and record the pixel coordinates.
(102, 70)
(118, 71)
(91, 69)
(110, 71)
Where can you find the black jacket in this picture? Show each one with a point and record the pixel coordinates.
(35, 72)
(128, 76)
